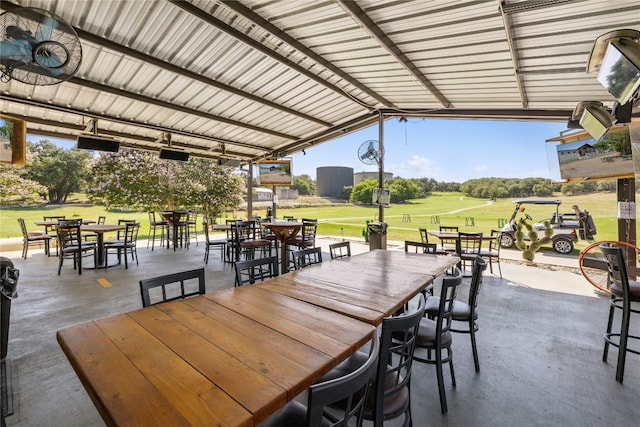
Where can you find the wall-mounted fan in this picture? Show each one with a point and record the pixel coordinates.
(370, 152)
(37, 47)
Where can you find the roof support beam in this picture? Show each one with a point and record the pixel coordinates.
(259, 20)
(513, 51)
(47, 106)
(358, 15)
(188, 7)
(165, 104)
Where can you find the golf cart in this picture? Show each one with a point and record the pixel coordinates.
(564, 225)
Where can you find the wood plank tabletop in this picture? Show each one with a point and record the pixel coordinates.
(229, 358)
(367, 287)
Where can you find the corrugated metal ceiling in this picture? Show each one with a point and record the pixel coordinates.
(256, 79)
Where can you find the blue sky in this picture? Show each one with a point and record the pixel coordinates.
(445, 150)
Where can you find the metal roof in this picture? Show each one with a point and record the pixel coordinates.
(253, 79)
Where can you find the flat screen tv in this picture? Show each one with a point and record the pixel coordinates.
(596, 121)
(620, 70)
(275, 172)
(582, 158)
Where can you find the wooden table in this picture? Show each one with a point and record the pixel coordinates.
(283, 230)
(175, 221)
(230, 358)
(100, 229)
(367, 287)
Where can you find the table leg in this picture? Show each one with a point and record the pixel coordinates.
(100, 244)
(284, 268)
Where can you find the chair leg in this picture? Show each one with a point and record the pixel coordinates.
(25, 248)
(126, 263)
(441, 392)
(474, 349)
(608, 333)
(622, 349)
(206, 253)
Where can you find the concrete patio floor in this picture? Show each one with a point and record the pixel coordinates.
(540, 345)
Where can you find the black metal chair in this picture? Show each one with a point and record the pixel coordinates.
(448, 244)
(624, 294)
(465, 312)
(128, 245)
(216, 244)
(468, 246)
(33, 239)
(256, 270)
(340, 250)
(154, 226)
(71, 245)
(50, 230)
(434, 336)
(348, 393)
(306, 257)
(420, 247)
(172, 287)
(492, 254)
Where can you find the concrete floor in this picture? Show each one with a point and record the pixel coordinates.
(540, 345)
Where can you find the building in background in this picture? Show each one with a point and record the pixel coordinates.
(330, 180)
(361, 176)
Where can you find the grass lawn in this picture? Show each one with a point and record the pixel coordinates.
(469, 213)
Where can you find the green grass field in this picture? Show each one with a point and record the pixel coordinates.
(349, 221)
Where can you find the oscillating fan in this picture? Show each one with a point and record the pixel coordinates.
(370, 152)
(37, 47)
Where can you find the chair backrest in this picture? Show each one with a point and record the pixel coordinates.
(309, 228)
(479, 266)
(205, 227)
(256, 270)
(68, 231)
(351, 390)
(424, 236)
(617, 270)
(494, 245)
(50, 228)
(306, 257)
(448, 293)
(288, 218)
(101, 219)
(23, 227)
(397, 344)
(469, 243)
(449, 229)
(172, 286)
(131, 233)
(420, 247)
(340, 250)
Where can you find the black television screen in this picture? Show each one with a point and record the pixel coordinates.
(620, 70)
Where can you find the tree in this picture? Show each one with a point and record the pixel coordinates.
(403, 190)
(141, 180)
(363, 191)
(304, 184)
(18, 191)
(61, 171)
(345, 193)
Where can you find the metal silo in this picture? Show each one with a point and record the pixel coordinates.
(331, 179)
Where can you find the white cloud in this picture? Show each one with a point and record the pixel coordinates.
(480, 168)
(416, 167)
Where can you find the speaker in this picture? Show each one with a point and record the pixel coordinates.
(93, 142)
(227, 161)
(167, 153)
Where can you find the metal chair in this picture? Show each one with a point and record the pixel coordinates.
(208, 243)
(71, 245)
(306, 257)
(256, 270)
(172, 287)
(468, 246)
(126, 246)
(465, 312)
(492, 255)
(33, 239)
(420, 247)
(623, 294)
(154, 226)
(448, 244)
(434, 336)
(340, 250)
(349, 391)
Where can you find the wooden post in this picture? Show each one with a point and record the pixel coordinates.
(250, 192)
